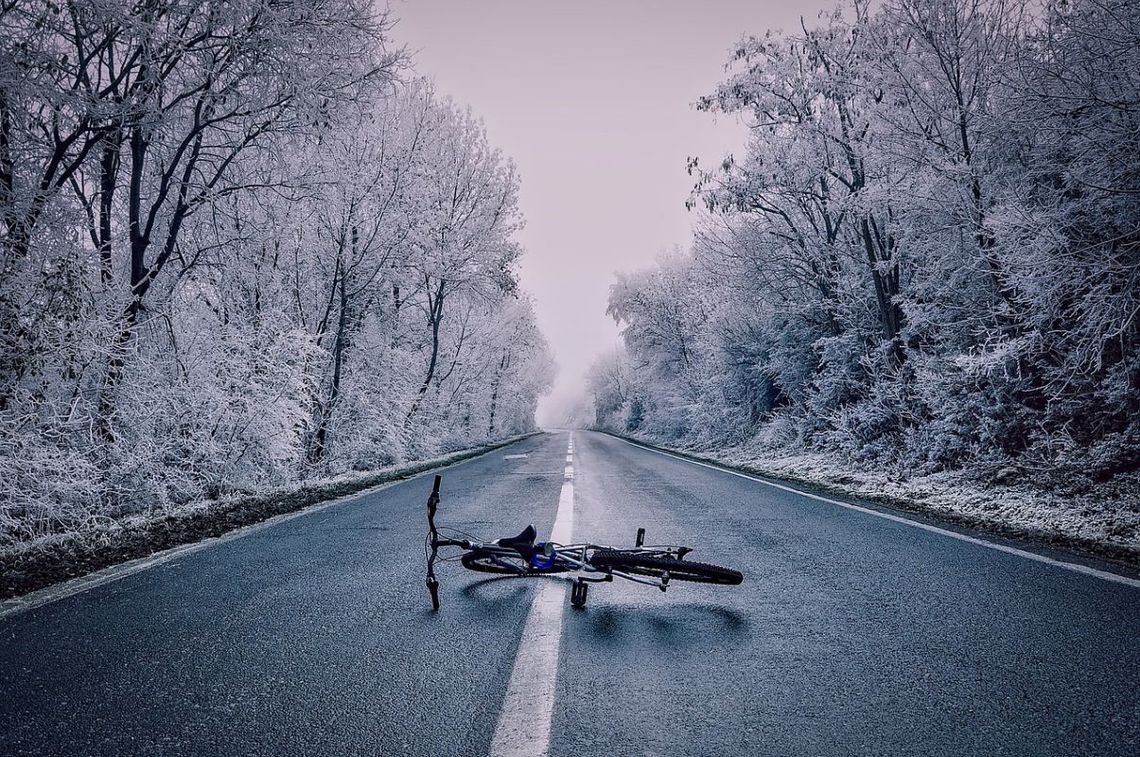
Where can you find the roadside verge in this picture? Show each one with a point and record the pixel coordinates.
(1109, 534)
(27, 567)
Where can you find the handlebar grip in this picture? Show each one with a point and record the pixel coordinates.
(433, 499)
(432, 503)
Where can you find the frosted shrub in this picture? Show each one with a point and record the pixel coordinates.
(780, 432)
(46, 485)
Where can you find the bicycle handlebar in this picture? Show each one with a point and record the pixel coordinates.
(433, 537)
(434, 542)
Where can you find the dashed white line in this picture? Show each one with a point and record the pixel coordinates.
(1075, 567)
(523, 728)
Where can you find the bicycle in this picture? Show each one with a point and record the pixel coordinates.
(521, 556)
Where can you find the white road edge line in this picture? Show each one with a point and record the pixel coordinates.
(523, 728)
(1075, 567)
(70, 588)
(118, 572)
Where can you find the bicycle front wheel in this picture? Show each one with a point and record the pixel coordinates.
(504, 563)
(655, 567)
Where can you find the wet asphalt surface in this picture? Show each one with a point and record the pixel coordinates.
(851, 634)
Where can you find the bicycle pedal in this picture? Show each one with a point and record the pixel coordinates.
(578, 594)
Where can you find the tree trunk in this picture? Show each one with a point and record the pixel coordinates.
(880, 251)
(108, 172)
(142, 275)
(495, 393)
(325, 409)
(435, 315)
(340, 345)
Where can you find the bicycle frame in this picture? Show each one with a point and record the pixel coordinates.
(572, 558)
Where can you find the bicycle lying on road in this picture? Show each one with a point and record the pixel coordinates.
(522, 556)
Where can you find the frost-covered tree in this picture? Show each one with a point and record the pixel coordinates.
(463, 257)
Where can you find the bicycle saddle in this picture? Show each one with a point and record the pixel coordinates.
(523, 543)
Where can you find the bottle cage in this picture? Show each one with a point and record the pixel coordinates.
(546, 549)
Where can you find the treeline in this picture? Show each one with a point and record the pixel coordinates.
(928, 257)
(240, 245)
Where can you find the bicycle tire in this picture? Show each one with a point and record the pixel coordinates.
(678, 570)
(482, 561)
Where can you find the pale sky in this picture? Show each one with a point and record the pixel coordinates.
(593, 101)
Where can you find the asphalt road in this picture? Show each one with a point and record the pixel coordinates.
(852, 634)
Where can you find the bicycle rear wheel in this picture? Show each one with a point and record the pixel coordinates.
(654, 566)
(508, 564)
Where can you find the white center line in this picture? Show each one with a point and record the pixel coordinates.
(528, 708)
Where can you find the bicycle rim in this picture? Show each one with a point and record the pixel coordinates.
(678, 570)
